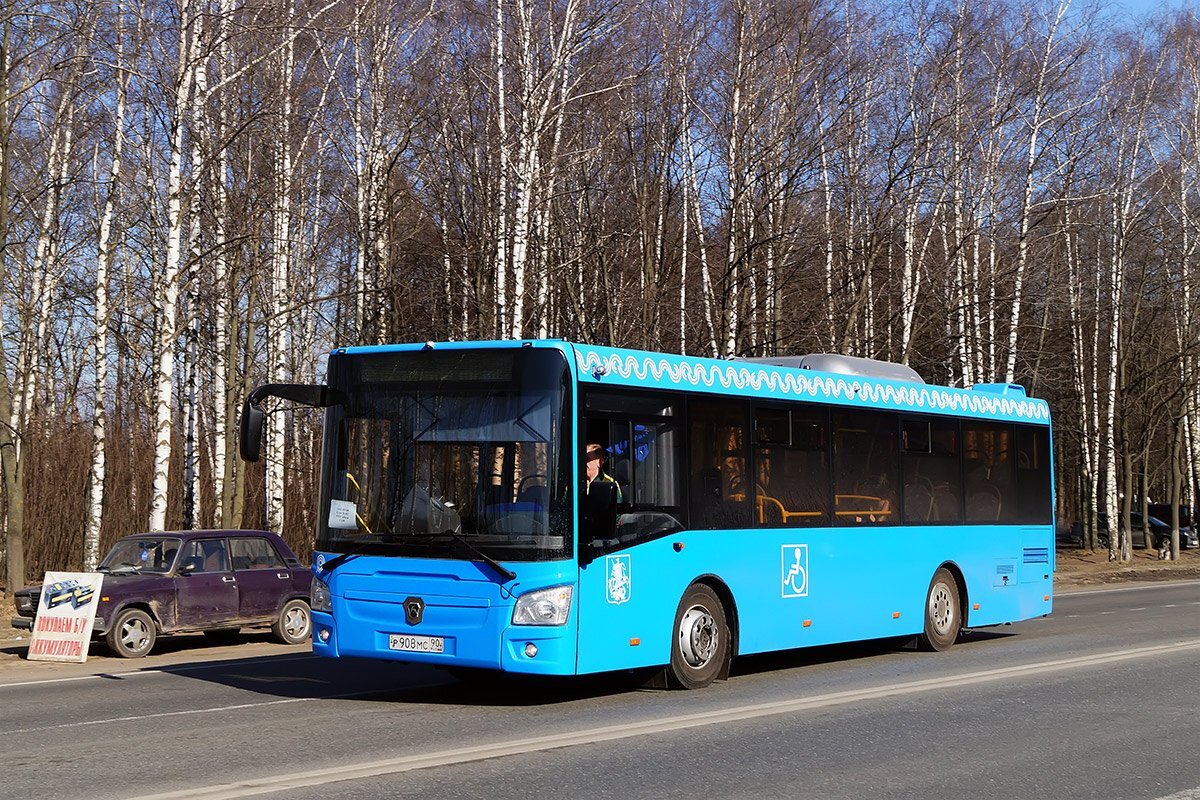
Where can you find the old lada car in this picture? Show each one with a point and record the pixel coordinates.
(217, 582)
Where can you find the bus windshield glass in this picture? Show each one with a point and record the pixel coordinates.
(436, 452)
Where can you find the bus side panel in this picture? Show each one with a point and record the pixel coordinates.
(805, 587)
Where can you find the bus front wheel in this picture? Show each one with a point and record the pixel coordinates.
(943, 612)
(701, 639)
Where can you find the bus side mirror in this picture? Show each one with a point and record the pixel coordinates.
(250, 431)
(599, 517)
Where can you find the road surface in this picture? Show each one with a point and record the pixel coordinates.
(1098, 700)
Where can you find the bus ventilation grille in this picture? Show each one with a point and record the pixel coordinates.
(1037, 555)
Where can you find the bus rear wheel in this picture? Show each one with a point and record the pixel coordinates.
(943, 612)
(701, 640)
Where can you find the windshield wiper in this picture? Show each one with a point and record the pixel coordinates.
(342, 558)
(500, 569)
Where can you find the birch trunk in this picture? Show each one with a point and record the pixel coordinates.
(105, 255)
(168, 283)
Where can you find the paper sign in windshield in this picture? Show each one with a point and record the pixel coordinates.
(342, 515)
(65, 616)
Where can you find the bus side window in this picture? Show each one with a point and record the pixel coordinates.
(721, 488)
(791, 467)
(1033, 474)
(930, 467)
(865, 467)
(988, 489)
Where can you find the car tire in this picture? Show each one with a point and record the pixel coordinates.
(294, 624)
(943, 612)
(700, 639)
(132, 634)
(222, 635)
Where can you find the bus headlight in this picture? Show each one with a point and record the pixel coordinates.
(543, 607)
(318, 593)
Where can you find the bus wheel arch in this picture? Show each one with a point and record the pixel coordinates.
(703, 636)
(944, 608)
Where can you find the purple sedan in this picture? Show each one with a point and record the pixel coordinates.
(184, 581)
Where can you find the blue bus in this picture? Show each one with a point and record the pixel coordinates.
(737, 506)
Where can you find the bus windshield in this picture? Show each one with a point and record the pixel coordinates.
(436, 452)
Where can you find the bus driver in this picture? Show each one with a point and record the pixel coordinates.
(594, 465)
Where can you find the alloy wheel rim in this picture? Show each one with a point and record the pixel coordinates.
(134, 635)
(296, 623)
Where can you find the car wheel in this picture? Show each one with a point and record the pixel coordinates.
(701, 640)
(1102, 540)
(943, 612)
(294, 623)
(223, 635)
(132, 634)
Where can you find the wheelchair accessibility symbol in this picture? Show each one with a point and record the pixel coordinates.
(794, 569)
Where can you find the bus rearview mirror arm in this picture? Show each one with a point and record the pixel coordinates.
(250, 428)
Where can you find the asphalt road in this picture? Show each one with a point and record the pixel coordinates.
(1098, 701)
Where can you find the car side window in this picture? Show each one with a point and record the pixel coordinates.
(207, 555)
(254, 553)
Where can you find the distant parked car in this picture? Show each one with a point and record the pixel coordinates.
(179, 582)
(1160, 532)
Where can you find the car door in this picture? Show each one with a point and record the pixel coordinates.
(207, 592)
(262, 577)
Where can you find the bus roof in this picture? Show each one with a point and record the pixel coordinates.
(611, 366)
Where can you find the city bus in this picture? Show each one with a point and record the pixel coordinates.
(737, 506)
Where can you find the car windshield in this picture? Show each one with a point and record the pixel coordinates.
(436, 452)
(144, 554)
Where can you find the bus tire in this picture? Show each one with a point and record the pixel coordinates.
(943, 612)
(700, 640)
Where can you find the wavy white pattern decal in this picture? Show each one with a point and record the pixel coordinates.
(657, 369)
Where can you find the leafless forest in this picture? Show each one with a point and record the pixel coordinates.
(197, 196)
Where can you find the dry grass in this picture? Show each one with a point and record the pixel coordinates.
(1087, 568)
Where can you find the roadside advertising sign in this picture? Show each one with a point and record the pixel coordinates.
(65, 616)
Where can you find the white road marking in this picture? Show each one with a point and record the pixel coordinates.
(236, 707)
(463, 755)
(1186, 794)
(1143, 608)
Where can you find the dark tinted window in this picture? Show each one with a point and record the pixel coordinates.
(791, 457)
(719, 483)
(1033, 475)
(644, 455)
(989, 486)
(930, 466)
(865, 467)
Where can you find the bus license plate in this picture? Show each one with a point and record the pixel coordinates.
(416, 644)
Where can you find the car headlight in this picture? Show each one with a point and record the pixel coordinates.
(319, 596)
(543, 607)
